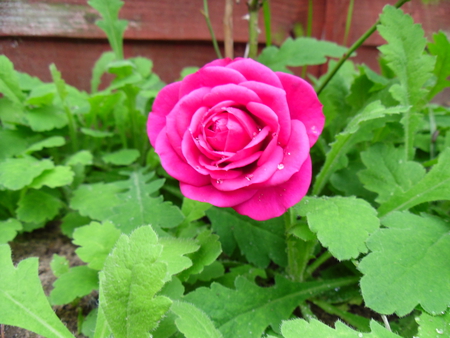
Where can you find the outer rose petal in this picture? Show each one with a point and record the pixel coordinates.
(274, 201)
(303, 104)
(255, 71)
(164, 103)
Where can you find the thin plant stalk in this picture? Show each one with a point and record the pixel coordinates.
(205, 13)
(308, 30)
(253, 8)
(348, 22)
(267, 23)
(228, 29)
(354, 47)
(317, 263)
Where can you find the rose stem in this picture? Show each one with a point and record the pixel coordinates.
(267, 25)
(298, 250)
(253, 8)
(348, 23)
(354, 47)
(228, 29)
(205, 13)
(308, 30)
(318, 262)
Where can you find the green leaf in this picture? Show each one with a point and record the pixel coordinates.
(59, 265)
(193, 210)
(193, 322)
(248, 310)
(342, 224)
(131, 277)
(16, 173)
(388, 172)
(433, 326)
(441, 49)
(405, 55)
(96, 133)
(56, 177)
(83, 157)
(111, 25)
(77, 282)
(356, 131)
(71, 221)
(59, 82)
(299, 52)
(408, 265)
(433, 187)
(38, 206)
(24, 303)
(100, 67)
(173, 253)
(96, 242)
(9, 81)
(46, 118)
(9, 230)
(122, 157)
(313, 329)
(12, 142)
(41, 95)
(260, 242)
(53, 141)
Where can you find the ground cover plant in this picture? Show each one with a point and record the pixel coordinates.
(373, 231)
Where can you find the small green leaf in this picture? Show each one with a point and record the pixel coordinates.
(24, 303)
(100, 67)
(9, 82)
(38, 206)
(59, 82)
(96, 242)
(314, 328)
(12, 142)
(408, 265)
(131, 277)
(16, 173)
(51, 142)
(41, 95)
(9, 230)
(342, 224)
(77, 282)
(58, 176)
(193, 210)
(71, 221)
(59, 265)
(46, 118)
(83, 157)
(193, 322)
(433, 326)
(122, 157)
(441, 49)
(96, 133)
(173, 253)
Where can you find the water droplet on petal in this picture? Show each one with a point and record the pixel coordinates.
(249, 177)
(219, 181)
(280, 166)
(197, 168)
(274, 134)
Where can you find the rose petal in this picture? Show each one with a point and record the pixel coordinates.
(162, 106)
(265, 114)
(176, 166)
(255, 71)
(239, 94)
(274, 201)
(218, 198)
(303, 104)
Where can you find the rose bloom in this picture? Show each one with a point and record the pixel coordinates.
(236, 134)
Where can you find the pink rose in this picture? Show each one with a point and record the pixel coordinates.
(236, 134)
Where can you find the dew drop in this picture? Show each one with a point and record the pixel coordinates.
(197, 168)
(440, 331)
(274, 134)
(254, 134)
(280, 166)
(219, 181)
(360, 334)
(289, 154)
(249, 177)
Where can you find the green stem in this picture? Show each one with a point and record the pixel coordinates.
(308, 30)
(253, 8)
(72, 128)
(267, 25)
(348, 22)
(350, 51)
(205, 13)
(317, 263)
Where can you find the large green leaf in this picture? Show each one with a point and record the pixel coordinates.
(441, 49)
(38, 206)
(408, 265)
(434, 326)
(24, 303)
(16, 173)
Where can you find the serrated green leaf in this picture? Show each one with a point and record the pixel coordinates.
(388, 172)
(433, 326)
(53, 141)
(56, 177)
(9, 82)
(24, 303)
(9, 230)
(433, 187)
(28, 82)
(77, 282)
(299, 52)
(260, 242)
(342, 224)
(131, 277)
(46, 118)
(193, 210)
(100, 67)
(16, 173)
(173, 253)
(122, 157)
(405, 55)
(356, 131)
(96, 242)
(313, 329)
(38, 206)
(245, 271)
(83, 157)
(111, 25)
(59, 265)
(249, 309)
(193, 322)
(59, 82)
(408, 265)
(441, 49)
